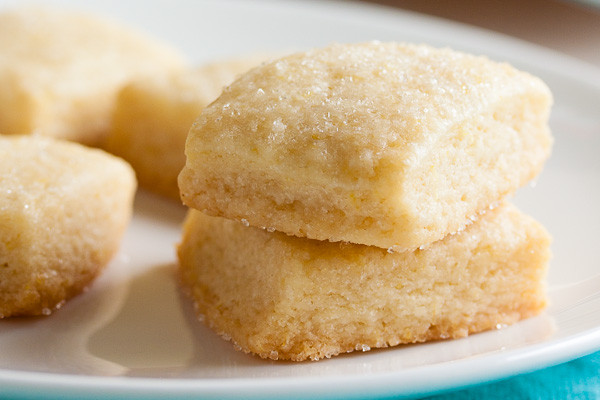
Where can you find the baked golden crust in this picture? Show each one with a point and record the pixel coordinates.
(383, 144)
(60, 71)
(63, 211)
(284, 297)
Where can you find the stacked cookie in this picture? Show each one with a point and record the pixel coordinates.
(369, 181)
(60, 71)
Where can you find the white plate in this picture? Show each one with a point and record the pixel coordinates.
(133, 336)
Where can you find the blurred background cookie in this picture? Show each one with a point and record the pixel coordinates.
(63, 211)
(60, 71)
(153, 115)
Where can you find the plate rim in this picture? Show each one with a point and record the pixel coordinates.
(499, 365)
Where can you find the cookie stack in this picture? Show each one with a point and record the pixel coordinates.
(362, 189)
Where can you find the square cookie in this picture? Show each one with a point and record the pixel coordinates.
(384, 144)
(284, 297)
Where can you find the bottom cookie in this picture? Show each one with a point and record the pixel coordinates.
(283, 297)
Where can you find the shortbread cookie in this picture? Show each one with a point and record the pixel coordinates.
(284, 297)
(63, 210)
(60, 71)
(383, 144)
(153, 115)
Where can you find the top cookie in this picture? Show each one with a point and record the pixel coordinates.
(384, 144)
(60, 71)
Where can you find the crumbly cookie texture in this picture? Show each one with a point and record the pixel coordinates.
(60, 71)
(384, 144)
(284, 297)
(63, 210)
(153, 115)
